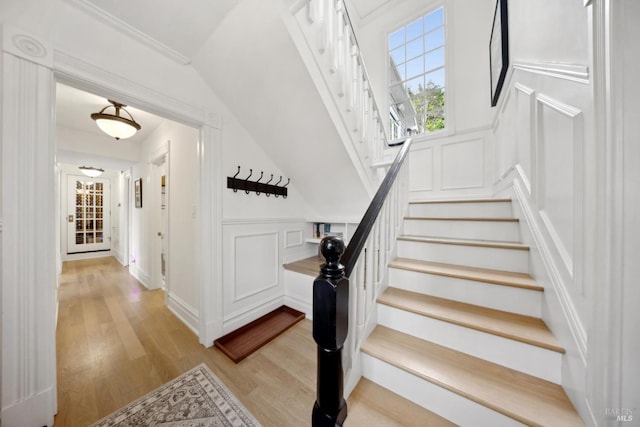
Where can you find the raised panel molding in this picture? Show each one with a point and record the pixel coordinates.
(293, 239)
(462, 165)
(525, 122)
(256, 264)
(559, 158)
(421, 169)
(577, 73)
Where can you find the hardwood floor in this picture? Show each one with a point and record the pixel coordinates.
(116, 341)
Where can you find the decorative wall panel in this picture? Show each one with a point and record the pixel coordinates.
(421, 167)
(462, 165)
(256, 264)
(559, 166)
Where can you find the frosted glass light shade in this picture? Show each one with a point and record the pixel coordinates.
(91, 171)
(114, 124)
(115, 128)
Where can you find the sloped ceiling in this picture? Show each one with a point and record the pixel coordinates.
(254, 67)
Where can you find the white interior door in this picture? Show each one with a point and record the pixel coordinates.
(88, 217)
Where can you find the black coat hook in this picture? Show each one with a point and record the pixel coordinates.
(247, 179)
(267, 183)
(235, 190)
(257, 186)
(261, 175)
(276, 184)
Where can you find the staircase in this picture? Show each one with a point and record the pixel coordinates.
(459, 327)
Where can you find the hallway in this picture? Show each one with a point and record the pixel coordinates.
(116, 341)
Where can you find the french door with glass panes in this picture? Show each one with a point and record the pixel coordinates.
(88, 215)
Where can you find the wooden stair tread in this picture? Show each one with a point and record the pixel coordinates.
(433, 202)
(498, 277)
(463, 242)
(525, 398)
(526, 329)
(373, 404)
(455, 218)
(309, 266)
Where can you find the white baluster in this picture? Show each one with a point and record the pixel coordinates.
(329, 32)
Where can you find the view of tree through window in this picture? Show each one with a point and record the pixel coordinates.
(416, 76)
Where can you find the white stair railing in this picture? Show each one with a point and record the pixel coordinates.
(331, 40)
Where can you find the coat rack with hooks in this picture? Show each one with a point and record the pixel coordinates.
(257, 186)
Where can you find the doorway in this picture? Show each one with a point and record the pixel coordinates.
(88, 214)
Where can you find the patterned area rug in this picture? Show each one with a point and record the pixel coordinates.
(195, 399)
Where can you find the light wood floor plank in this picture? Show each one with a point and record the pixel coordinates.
(97, 376)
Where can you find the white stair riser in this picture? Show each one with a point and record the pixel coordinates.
(457, 409)
(461, 210)
(501, 231)
(513, 354)
(473, 256)
(506, 298)
(299, 292)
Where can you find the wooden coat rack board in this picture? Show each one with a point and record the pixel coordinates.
(257, 186)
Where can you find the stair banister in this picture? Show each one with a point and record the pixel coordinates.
(331, 288)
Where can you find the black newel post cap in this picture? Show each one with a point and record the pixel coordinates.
(332, 249)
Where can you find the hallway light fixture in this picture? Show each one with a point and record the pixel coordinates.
(90, 171)
(114, 124)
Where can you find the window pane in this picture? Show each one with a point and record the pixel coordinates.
(434, 59)
(398, 55)
(414, 86)
(415, 67)
(79, 238)
(434, 20)
(414, 30)
(396, 39)
(90, 238)
(417, 57)
(434, 39)
(435, 78)
(99, 238)
(414, 48)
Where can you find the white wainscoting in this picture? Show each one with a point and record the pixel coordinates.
(451, 166)
(542, 140)
(253, 276)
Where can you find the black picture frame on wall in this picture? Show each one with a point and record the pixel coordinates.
(138, 192)
(499, 50)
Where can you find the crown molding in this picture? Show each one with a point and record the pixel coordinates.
(122, 27)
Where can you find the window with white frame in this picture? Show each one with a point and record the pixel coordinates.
(417, 76)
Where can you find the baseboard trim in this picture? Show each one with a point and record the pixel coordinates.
(239, 319)
(37, 410)
(140, 275)
(183, 311)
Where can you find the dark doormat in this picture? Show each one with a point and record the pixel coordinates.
(247, 339)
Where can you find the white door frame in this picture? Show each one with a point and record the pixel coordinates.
(157, 226)
(74, 72)
(30, 68)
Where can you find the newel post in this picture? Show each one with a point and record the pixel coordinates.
(330, 326)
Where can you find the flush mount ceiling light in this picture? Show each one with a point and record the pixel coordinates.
(114, 124)
(91, 171)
